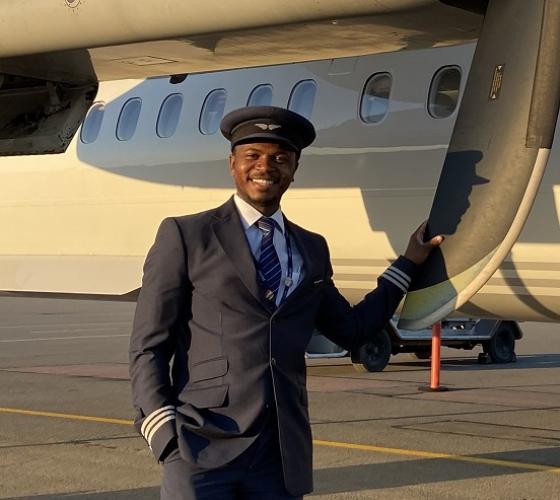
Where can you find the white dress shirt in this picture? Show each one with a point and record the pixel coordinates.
(249, 216)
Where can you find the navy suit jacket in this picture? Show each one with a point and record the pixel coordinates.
(232, 355)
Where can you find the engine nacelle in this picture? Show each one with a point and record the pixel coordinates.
(43, 101)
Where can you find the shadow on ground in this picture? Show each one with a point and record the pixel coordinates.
(151, 493)
(523, 362)
(414, 472)
(376, 476)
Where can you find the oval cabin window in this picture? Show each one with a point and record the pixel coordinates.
(260, 96)
(92, 123)
(444, 92)
(375, 98)
(128, 119)
(302, 98)
(168, 117)
(212, 111)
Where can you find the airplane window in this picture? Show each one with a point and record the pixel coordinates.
(261, 95)
(92, 123)
(128, 119)
(169, 113)
(444, 92)
(303, 97)
(375, 98)
(212, 111)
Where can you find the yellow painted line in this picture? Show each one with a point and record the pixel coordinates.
(319, 442)
(68, 416)
(445, 456)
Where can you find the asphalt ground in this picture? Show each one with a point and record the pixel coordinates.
(65, 416)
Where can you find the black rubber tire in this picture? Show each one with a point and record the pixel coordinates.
(422, 355)
(373, 356)
(501, 347)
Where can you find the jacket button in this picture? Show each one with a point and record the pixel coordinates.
(273, 361)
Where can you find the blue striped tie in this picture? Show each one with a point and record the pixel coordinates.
(269, 264)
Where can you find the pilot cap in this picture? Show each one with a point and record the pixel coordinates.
(267, 124)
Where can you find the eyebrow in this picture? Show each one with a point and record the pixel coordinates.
(257, 150)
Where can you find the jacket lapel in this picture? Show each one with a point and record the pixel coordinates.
(229, 232)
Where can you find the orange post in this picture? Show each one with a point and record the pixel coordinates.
(436, 356)
(436, 361)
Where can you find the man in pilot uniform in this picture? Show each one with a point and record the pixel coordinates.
(230, 297)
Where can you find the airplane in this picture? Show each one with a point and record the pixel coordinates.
(79, 223)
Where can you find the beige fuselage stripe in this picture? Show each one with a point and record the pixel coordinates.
(320, 442)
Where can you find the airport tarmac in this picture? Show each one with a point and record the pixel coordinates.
(65, 415)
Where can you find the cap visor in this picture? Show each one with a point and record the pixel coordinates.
(274, 138)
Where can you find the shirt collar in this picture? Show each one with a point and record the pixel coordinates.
(249, 214)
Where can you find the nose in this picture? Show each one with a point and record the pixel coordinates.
(265, 162)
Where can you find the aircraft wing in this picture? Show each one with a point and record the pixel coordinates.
(496, 158)
(53, 52)
(131, 39)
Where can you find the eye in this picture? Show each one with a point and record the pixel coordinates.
(281, 158)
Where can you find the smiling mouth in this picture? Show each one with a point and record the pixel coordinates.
(263, 182)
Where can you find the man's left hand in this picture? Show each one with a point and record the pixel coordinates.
(418, 250)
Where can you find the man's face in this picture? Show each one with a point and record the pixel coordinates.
(262, 172)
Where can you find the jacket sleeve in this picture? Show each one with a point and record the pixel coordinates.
(158, 321)
(352, 326)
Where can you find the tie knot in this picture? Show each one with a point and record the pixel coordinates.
(267, 224)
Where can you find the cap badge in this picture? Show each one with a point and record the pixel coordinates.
(264, 126)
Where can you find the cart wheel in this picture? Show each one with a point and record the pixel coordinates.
(501, 347)
(373, 356)
(423, 355)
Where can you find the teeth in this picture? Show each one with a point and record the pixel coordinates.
(264, 182)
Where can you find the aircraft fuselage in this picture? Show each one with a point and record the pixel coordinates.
(82, 222)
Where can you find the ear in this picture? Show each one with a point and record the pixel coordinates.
(295, 170)
(231, 160)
